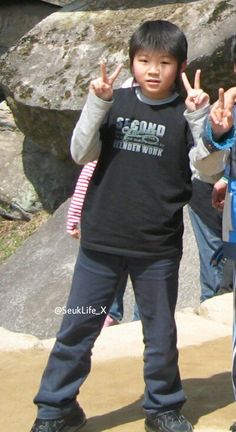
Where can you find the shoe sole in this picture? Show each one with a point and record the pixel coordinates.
(150, 429)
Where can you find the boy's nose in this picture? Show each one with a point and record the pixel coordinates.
(154, 69)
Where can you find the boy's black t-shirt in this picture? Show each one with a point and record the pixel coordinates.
(142, 180)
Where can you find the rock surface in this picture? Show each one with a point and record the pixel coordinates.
(17, 18)
(56, 60)
(219, 309)
(13, 182)
(110, 343)
(28, 176)
(36, 279)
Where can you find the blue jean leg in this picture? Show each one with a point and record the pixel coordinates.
(155, 285)
(117, 308)
(136, 316)
(208, 243)
(94, 283)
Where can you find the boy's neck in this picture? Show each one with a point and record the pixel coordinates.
(150, 101)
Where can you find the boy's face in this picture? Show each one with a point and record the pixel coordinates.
(155, 72)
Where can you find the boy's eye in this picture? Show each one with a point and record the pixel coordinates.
(165, 62)
(143, 60)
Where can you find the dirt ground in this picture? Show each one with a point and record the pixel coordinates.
(112, 394)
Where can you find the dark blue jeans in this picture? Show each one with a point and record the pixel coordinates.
(94, 284)
(208, 243)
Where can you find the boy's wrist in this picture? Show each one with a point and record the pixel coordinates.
(225, 178)
(197, 113)
(98, 99)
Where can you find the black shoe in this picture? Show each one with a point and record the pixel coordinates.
(71, 423)
(169, 421)
(233, 427)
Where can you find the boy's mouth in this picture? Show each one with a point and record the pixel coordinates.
(153, 81)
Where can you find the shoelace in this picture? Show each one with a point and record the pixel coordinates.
(48, 426)
(173, 416)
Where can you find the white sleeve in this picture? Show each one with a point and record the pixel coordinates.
(85, 141)
(202, 158)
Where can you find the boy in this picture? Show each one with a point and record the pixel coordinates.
(132, 219)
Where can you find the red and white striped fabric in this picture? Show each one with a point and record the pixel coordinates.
(77, 200)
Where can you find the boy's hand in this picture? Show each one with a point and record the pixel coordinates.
(218, 195)
(196, 97)
(103, 87)
(230, 95)
(75, 233)
(221, 115)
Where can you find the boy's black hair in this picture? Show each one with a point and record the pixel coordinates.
(163, 36)
(233, 50)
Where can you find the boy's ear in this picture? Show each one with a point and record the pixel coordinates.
(183, 66)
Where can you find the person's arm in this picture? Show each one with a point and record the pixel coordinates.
(77, 200)
(85, 142)
(203, 155)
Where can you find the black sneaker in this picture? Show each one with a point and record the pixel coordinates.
(169, 421)
(233, 427)
(71, 423)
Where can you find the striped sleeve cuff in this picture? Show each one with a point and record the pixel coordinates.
(225, 142)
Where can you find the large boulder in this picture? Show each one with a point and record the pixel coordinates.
(36, 279)
(30, 177)
(14, 185)
(17, 18)
(45, 76)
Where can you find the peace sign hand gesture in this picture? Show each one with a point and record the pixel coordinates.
(221, 115)
(196, 97)
(103, 87)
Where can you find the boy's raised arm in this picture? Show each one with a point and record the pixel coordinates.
(196, 97)
(85, 142)
(203, 155)
(221, 114)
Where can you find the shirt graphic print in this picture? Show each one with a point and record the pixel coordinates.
(139, 136)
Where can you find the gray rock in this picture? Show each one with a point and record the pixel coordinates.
(37, 278)
(18, 17)
(14, 184)
(45, 76)
(53, 179)
(29, 176)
